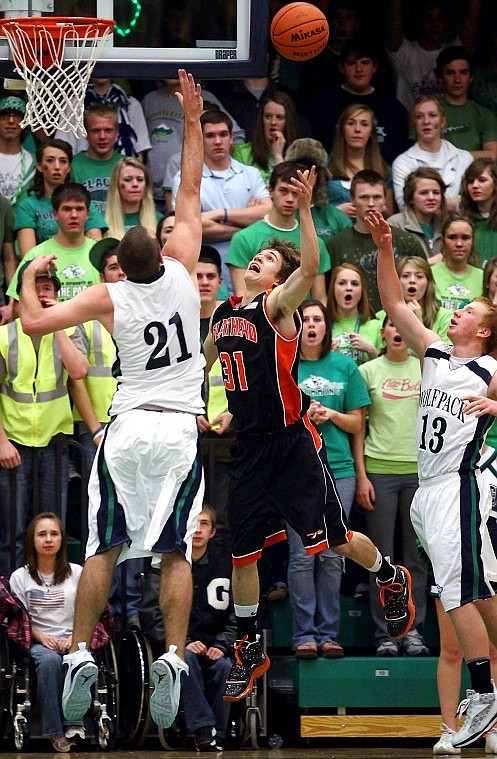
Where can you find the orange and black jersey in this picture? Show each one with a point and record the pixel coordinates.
(260, 366)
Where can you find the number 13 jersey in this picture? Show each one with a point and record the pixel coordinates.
(159, 360)
(260, 367)
(447, 439)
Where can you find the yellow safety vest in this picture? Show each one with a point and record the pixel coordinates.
(34, 402)
(216, 399)
(99, 381)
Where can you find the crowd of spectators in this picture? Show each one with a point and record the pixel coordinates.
(408, 128)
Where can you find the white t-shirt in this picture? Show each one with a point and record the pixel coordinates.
(50, 607)
(414, 70)
(16, 172)
(449, 161)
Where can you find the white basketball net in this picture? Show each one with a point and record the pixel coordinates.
(56, 85)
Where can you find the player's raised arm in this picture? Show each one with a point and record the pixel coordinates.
(413, 332)
(287, 297)
(186, 237)
(92, 303)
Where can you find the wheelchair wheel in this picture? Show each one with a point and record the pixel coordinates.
(106, 734)
(135, 658)
(21, 735)
(173, 738)
(5, 680)
(105, 714)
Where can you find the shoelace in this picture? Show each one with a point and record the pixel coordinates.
(463, 706)
(395, 590)
(239, 644)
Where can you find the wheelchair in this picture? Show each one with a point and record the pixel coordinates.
(247, 723)
(19, 719)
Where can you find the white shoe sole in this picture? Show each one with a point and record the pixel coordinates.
(76, 698)
(164, 701)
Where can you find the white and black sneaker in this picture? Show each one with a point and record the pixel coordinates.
(80, 674)
(481, 715)
(165, 673)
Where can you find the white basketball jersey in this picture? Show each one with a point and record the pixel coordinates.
(448, 440)
(159, 361)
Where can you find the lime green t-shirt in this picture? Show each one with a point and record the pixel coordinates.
(370, 331)
(455, 290)
(393, 387)
(74, 268)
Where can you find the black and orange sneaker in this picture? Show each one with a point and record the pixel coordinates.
(396, 599)
(251, 661)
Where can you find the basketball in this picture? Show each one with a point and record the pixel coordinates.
(299, 31)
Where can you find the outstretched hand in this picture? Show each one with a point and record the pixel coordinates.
(304, 185)
(379, 228)
(41, 265)
(190, 95)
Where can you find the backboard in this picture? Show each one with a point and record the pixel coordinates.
(214, 39)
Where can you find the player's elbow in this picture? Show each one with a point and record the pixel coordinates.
(79, 368)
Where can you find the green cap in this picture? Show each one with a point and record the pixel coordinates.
(100, 249)
(12, 103)
(51, 275)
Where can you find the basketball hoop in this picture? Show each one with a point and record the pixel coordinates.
(55, 55)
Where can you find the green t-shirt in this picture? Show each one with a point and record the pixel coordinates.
(245, 244)
(328, 221)
(74, 268)
(243, 153)
(469, 126)
(133, 219)
(335, 381)
(351, 246)
(485, 240)
(455, 290)
(94, 175)
(36, 213)
(393, 386)
(370, 331)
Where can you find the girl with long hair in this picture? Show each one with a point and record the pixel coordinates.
(425, 209)
(276, 127)
(355, 330)
(427, 121)
(457, 277)
(355, 147)
(338, 398)
(33, 218)
(479, 203)
(387, 475)
(418, 285)
(46, 585)
(130, 200)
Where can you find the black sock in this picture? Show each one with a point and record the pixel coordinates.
(246, 626)
(386, 572)
(479, 672)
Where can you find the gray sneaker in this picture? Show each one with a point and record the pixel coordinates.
(414, 645)
(481, 714)
(387, 647)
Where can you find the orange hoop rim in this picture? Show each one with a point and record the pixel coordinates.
(54, 24)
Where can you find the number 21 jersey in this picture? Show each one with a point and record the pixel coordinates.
(159, 361)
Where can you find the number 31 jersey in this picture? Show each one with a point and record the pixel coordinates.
(260, 367)
(447, 439)
(159, 360)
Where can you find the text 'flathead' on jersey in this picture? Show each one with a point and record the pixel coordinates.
(234, 326)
